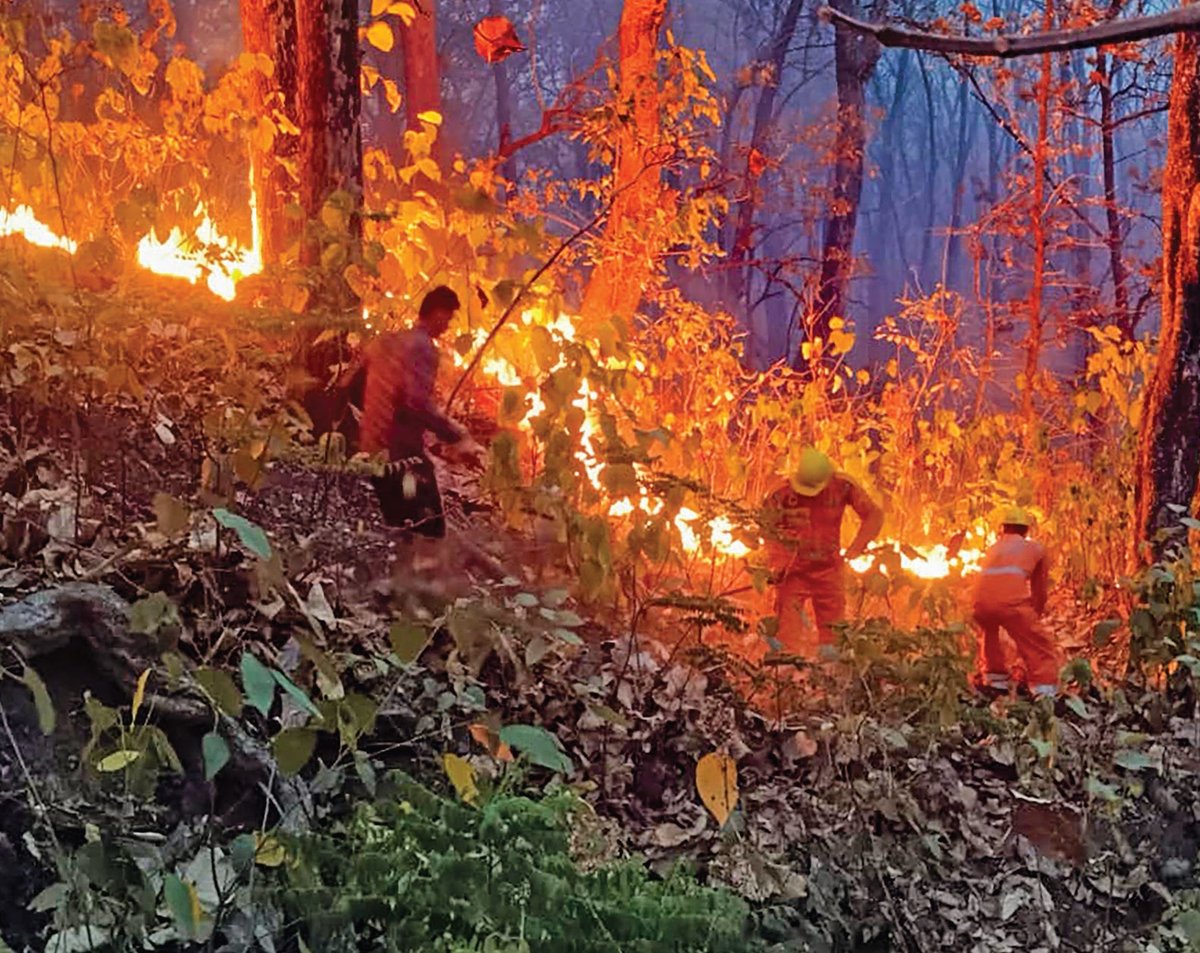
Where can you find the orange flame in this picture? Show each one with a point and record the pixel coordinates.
(21, 221)
(932, 561)
(207, 255)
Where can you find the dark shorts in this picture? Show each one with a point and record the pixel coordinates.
(409, 497)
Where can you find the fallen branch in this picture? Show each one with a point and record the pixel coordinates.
(1009, 46)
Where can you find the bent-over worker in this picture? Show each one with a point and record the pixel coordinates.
(803, 528)
(1010, 594)
(399, 409)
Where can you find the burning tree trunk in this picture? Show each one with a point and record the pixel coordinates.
(626, 253)
(329, 106)
(855, 56)
(1169, 446)
(269, 28)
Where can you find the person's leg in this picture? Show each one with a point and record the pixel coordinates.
(389, 492)
(430, 513)
(1037, 649)
(794, 632)
(828, 588)
(991, 650)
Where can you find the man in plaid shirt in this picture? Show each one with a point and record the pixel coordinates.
(399, 409)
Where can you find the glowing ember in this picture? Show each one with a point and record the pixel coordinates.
(21, 221)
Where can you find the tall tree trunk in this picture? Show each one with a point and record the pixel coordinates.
(1169, 443)
(269, 28)
(881, 298)
(329, 105)
(627, 251)
(764, 121)
(931, 171)
(962, 149)
(1041, 158)
(422, 71)
(1113, 237)
(855, 56)
(1084, 301)
(508, 167)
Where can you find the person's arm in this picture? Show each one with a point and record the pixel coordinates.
(1039, 584)
(422, 361)
(870, 515)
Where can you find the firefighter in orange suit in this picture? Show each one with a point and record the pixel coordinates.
(1010, 594)
(803, 528)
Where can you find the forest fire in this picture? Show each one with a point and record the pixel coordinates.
(207, 256)
(718, 535)
(925, 562)
(24, 223)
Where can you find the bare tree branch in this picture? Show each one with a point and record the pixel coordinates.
(1006, 47)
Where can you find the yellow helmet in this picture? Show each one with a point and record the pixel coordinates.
(1017, 516)
(813, 473)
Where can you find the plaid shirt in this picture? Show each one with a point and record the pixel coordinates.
(398, 404)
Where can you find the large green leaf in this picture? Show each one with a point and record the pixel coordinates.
(1189, 922)
(258, 682)
(1133, 760)
(216, 754)
(221, 688)
(538, 745)
(183, 903)
(408, 640)
(293, 747)
(250, 534)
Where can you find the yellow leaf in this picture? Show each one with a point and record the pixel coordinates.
(431, 116)
(405, 11)
(380, 36)
(462, 776)
(268, 852)
(139, 694)
(118, 760)
(392, 91)
(841, 341)
(716, 780)
(379, 7)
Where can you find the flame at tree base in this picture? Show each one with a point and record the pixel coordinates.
(193, 259)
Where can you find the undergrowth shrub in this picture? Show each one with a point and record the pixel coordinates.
(422, 872)
(916, 674)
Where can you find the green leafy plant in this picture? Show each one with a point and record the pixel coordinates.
(418, 871)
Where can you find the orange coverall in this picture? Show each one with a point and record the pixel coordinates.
(1011, 594)
(803, 535)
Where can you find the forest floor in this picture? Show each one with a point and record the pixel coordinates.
(881, 807)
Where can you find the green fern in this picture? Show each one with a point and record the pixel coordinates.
(424, 873)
